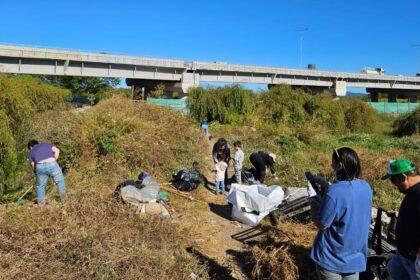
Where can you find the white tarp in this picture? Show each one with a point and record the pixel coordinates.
(136, 196)
(252, 203)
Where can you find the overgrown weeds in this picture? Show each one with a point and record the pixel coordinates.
(281, 105)
(91, 235)
(408, 124)
(21, 99)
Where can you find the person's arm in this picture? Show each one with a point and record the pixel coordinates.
(56, 152)
(327, 213)
(33, 166)
(273, 170)
(236, 159)
(227, 154)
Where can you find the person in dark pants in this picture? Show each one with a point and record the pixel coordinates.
(222, 147)
(406, 262)
(261, 160)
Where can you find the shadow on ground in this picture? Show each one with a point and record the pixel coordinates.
(243, 261)
(223, 211)
(209, 185)
(216, 271)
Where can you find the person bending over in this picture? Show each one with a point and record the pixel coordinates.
(43, 159)
(261, 160)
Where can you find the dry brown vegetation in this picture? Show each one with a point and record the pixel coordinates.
(284, 254)
(91, 235)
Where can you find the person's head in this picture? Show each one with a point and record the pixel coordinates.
(346, 164)
(402, 173)
(143, 175)
(32, 144)
(221, 143)
(220, 157)
(237, 145)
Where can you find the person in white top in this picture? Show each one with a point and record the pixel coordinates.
(238, 160)
(219, 183)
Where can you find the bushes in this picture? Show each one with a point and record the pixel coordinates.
(408, 124)
(21, 99)
(9, 166)
(138, 137)
(359, 116)
(223, 104)
(281, 105)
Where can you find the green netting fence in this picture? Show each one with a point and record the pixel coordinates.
(393, 108)
(382, 107)
(176, 104)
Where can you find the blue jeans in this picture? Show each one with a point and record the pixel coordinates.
(402, 268)
(205, 128)
(43, 172)
(324, 274)
(219, 186)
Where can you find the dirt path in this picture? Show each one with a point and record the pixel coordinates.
(209, 220)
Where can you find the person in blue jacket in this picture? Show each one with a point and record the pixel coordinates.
(343, 219)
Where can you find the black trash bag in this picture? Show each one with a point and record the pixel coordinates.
(247, 175)
(185, 180)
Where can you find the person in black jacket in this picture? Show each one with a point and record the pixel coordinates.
(406, 263)
(222, 147)
(261, 160)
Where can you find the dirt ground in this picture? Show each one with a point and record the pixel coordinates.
(208, 219)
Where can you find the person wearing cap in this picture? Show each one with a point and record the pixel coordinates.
(261, 161)
(406, 263)
(343, 221)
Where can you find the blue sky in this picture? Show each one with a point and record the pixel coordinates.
(342, 35)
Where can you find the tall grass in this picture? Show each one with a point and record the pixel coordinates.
(228, 104)
(284, 106)
(21, 99)
(408, 124)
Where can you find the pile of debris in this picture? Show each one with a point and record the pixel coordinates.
(145, 195)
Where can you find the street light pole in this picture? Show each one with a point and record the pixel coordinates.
(301, 44)
(301, 51)
(417, 48)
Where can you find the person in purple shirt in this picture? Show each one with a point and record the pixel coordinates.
(43, 159)
(343, 220)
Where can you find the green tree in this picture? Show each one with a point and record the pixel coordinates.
(90, 87)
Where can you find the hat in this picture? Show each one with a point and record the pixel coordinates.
(273, 156)
(399, 166)
(143, 175)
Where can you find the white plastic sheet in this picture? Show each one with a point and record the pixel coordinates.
(252, 203)
(148, 193)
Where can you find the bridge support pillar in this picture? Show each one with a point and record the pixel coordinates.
(412, 99)
(392, 97)
(189, 80)
(340, 88)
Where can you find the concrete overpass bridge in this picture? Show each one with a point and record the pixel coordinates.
(180, 75)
